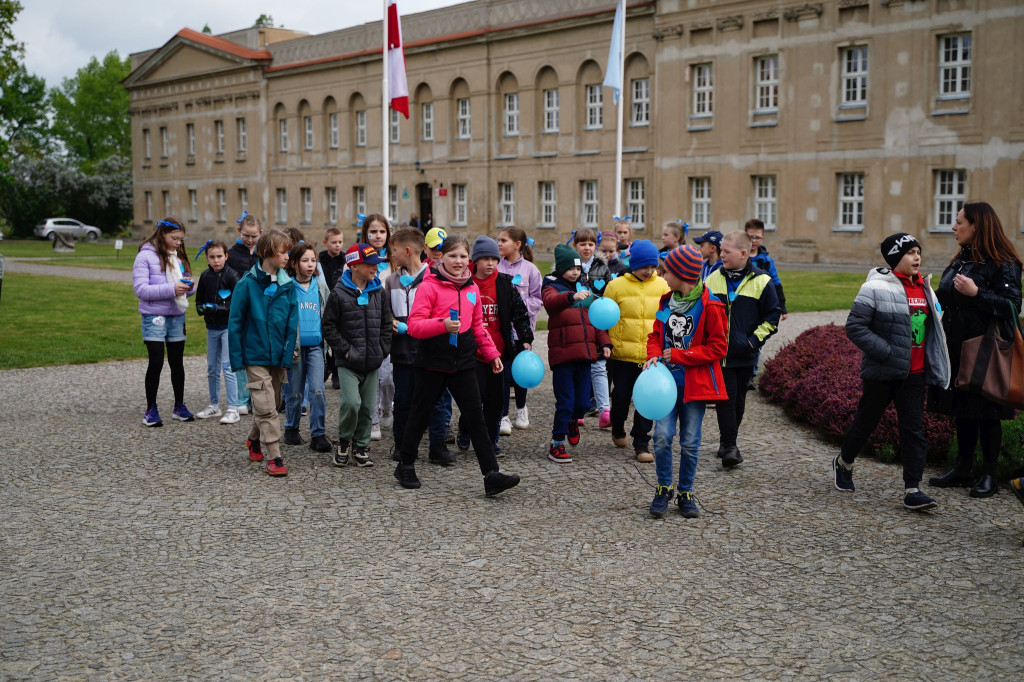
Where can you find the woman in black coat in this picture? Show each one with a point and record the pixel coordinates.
(978, 285)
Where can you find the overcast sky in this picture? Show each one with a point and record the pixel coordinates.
(61, 35)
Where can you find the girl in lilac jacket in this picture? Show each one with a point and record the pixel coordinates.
(517, 262)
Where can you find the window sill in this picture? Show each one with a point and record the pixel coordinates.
(305, 222)
(959, 97)
(549, 132)
(699, 128)
(541, 155)
(148, 221)
(848, 230)
(146, 165)
(640, 125)
(508, 135)
(587, 128)
(545, 227)
(853, 106)
(460, 224)
(847, 119)
(219, 160)
(240, 159)
(940, 230)
(764, 124)
(190, 161)
(505, 157)
(587, 152)
(634, 150)
(221, 221)
(950, 112)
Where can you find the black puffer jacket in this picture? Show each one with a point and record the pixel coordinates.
(210, 283)
(359, 335)
(240, 259)
(965, 317)
(512, 312)
(599, 273)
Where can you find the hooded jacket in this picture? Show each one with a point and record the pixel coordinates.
(359, 334)
(753, 312)
(699, 367)
(434, 298)
(208, 290)
(239, 257)
(598, 277)
(571, 336)
(262, 327)
(401, 297)
(638, 303)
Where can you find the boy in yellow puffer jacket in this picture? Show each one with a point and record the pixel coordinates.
(638, 294)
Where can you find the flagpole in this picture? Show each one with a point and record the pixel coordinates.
(385, 121)
(618, 128)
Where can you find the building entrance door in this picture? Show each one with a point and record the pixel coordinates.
(425, 196)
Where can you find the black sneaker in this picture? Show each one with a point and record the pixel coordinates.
(918, 501)
(462, 441)
(496, 482)
(406, 475)
(361, 456)
(843, 476)
(291, 437)
(449, 435)
(341, 455)
(687, 505)
(440, 454)
(662, 496)
(731, 457)
(320, 444)
(574, 433)
(750, 384)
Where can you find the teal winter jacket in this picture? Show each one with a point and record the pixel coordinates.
(263, 320)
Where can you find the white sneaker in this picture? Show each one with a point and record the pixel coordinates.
(243, 409)
(522, 419)
(211, 411)
(230, 417)
(505, 428)
(387, 420)
(375, 432)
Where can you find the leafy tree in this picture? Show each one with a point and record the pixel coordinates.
(264, 21)
(24, 128)
(10, 50)
(90, 111)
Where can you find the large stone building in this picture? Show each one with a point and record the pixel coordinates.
(835, 122)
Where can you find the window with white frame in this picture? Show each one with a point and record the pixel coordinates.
(589, 204)
(307, 204)
(282, 205)
(507, 203)
(427, 116)
(147, 143)
(551, 111)
(855, 76)
(242, 138)
(765, 202)
(243, 199)
(548, 201)
(700, 201)
(595, 108)
(461, 205)
(463, 128)
(163, 141)
(218, 127)
(333, 133)
(190, 131)
(950, 194)
(641, 115)
(851, 201)
(222, 205)
(307, 123)
(167, 203)
(282, 135)
(392, 202)
(512, 114)
(955, 65)
(636, 202)
(766, 84)
(193, 202)
(149, 206)
(361, 128)
(359, 199)
(703, 90)
(396, 130)
(332, 204)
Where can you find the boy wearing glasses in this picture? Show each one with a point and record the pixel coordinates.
(762, 261)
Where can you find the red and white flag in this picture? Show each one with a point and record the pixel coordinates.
(397, 85)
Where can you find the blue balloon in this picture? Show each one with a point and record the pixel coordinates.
(654, 393)
(604, 313)
(528, 369)
(403, 328)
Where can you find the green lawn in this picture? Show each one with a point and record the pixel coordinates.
(41, 248)
(811, 291)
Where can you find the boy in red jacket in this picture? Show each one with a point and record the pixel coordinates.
(691, 336)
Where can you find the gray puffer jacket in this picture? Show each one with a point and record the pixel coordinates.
(879, 324)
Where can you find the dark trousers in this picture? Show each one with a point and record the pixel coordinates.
(908, 397)
(438, 423)
(490, 386)
(968, 433)
(571, 381)
(427, 389)
(622, 376)
(730, 412)
(519, 391)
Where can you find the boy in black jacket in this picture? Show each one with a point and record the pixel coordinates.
(213, 302)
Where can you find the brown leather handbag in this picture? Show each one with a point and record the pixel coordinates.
(993, 366)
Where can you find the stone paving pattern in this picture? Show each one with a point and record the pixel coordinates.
(134, 553)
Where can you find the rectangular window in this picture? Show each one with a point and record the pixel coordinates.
(332, 124)
(765, 200)
(595, 108)
(548, 201)
(700, 200)
(359, 199)
(222, 205)
(361, 128)
(167, 203)
(307, 123)
(307, 204)
(589, 203)
(855, 76)
(147, 143)
(392, 202)
(512, 114)
(636, 202)
(507, 203)
(149, 206)
(703, 90)
(190, 133)
(332, 204)
(851, 201)
(955, 66)
(218, 127)
(950, 193)
(282, 205)
(193, 202)
(767, 84)
(428, 121)
(551, 111)
(243, 199)
(461, 206)
(641, 102)
(163, 141)
(462, 131)
(283, 134)
(396, 130)
(242, 138)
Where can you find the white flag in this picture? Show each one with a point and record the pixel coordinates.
(613, 74)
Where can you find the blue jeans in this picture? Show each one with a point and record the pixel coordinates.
(439, 417)
(691, 418)
(599, 382)
(217, 361)
(306, 372)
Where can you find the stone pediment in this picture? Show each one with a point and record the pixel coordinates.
(189, 55)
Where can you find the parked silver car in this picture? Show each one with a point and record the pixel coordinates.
(49, 228)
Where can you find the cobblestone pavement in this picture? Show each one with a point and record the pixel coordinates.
(133, 553)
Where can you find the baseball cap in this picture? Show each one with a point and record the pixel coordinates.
(362, 253)
(713, 236)
(435, 237)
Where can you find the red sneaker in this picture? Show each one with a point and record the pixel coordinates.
(557, 453)
(276, 467)
(255, 453)
(574, 432)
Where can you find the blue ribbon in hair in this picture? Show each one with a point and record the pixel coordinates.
(245, 214)
(360, 217)
(619, 218)
(685, 225)
(164, 223)
(571, 237)
(204, 247)
(529, 241)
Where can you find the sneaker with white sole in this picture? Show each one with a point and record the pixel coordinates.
(211, 411)
(387, 420)
(243, 409)
(522, 418)
(182, 414)
(505, 428)
(230, 417)
(375, 433)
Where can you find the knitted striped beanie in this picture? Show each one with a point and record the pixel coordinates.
(684, 262)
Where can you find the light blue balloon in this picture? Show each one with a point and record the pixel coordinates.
(654, 393)
(403, 328)
(604, 313)
(528, 369)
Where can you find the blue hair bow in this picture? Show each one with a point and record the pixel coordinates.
(164, 223)
(245, 214)
(529, 241)
(360, 217)
(685, 225)
(204, 247)
(620, 218)
(571, 237)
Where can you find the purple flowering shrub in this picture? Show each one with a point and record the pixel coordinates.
(816, 379)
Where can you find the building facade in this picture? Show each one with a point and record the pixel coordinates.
(836, 122)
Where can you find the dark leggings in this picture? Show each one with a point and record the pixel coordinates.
(969, 432)
(175, 359)
(730, 413)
